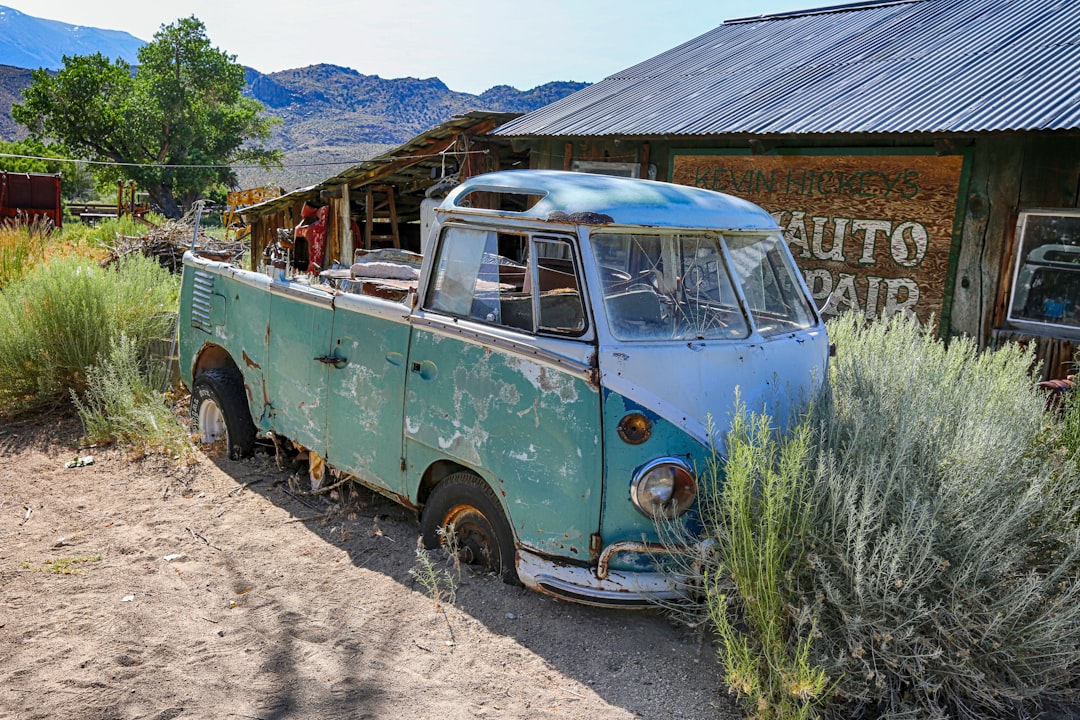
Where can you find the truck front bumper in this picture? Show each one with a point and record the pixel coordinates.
(615, 588)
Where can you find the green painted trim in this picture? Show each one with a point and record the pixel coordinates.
(963, 192)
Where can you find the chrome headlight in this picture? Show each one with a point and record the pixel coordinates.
(663, 488)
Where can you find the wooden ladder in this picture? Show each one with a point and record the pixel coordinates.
(383, 209)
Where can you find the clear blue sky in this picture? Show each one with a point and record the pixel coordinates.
(470, 45)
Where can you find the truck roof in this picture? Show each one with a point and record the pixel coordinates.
(590, 199)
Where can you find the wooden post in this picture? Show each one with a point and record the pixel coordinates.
(644, 161)
(568, 156)
(348, 242)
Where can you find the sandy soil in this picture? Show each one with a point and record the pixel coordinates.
(209, 592)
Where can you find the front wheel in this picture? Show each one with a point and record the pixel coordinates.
(481, 532)
(219, 411)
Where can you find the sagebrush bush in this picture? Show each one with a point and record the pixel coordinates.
(943, 559)
(1070, 423)
(936, 571)
(58, 320)
(123, 404)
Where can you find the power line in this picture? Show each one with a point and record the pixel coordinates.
(241, 167)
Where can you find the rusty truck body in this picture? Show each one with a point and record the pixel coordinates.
(540, 380)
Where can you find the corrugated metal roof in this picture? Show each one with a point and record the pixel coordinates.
(408, 164)
(934, 66)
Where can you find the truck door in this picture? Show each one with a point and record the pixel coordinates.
(299, 346)
(367, 388)
(499, 380)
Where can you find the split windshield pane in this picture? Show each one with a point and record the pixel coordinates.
(677, 286)
(770, 284)
(667, 287)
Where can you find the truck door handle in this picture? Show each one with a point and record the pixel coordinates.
(427, 370)
(332, 360)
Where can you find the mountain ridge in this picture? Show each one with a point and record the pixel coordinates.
(31, 42)
(331, 115)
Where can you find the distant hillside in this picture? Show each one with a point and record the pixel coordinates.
(332, 116)
(30, 42)
(338, 105)
(12, 82)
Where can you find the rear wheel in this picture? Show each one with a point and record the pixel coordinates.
(482, 534)
(219, 411)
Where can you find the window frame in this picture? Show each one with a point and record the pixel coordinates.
(1013, 316)
(532, 269)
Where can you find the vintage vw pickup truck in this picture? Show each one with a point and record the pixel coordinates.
(544, 382)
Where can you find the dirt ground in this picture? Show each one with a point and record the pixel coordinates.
(212, 592)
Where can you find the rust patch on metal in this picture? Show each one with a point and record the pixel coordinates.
(595, 543)
(249, 362)
(580, 218)
(629, 546)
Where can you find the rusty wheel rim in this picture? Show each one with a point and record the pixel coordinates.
(475, 534)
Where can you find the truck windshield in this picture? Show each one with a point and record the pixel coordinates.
(678, 287)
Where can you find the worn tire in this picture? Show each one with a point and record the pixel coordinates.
(219, 411)
(483, 533)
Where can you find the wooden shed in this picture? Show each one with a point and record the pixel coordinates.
(923, 156)
(379, 202)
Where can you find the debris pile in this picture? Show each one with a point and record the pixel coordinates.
(167, 243)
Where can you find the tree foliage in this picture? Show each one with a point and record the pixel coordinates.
(178, 119)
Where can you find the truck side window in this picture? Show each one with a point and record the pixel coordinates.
(505, 279)
(472, 279)
(561, 309)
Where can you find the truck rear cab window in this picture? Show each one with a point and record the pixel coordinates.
(508, 279)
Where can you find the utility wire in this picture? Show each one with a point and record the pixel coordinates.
(285, 165)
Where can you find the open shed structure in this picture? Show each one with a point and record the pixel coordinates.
(923, 156)
(378, 203)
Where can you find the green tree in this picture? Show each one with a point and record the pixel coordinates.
(178, 119)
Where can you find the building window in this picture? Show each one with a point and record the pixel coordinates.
(620, 169)
(1046, 279)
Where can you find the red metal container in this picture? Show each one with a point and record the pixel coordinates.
(25, 196)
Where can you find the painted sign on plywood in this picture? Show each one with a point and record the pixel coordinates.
(871, 233)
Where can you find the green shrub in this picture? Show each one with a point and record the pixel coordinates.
(122, 403)
(934, 563)
(58, 320)
(754, 509)
(106, 232)
(943, 563)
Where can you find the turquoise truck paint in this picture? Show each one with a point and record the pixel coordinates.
(534, 427)
(301, 320)
(397, 394)
(366, 390)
